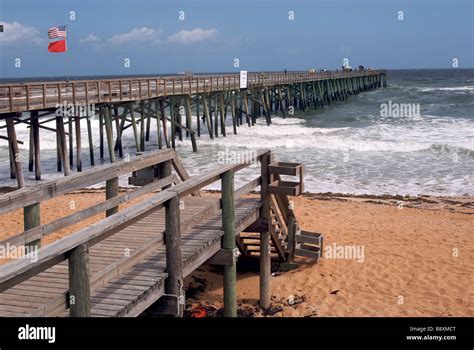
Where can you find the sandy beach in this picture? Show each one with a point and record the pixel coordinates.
(418, 261)
(418, 258)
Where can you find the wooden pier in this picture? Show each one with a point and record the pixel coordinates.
(187, 106)
(138, 257)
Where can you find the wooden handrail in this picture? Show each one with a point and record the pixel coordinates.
(29, 195)
(19, 270)
(51, 227)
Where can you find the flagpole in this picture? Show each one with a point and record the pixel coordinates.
(67, 51)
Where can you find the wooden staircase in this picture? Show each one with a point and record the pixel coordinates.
(287, 240)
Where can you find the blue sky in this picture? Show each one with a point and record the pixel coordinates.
(259, 33)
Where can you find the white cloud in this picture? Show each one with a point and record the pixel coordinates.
(15, 32)
(91, 38)
(136, 35)
(146, 35)
(193, 36)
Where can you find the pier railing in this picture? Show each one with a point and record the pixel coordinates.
(74, 247)
(18, 97)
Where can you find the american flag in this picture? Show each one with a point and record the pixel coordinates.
(57, 32)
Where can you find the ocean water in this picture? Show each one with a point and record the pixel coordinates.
(351, 146)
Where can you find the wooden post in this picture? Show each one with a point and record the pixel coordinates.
(288, 99)
(163, 120)
(216, 115)
(31, 162)
(15, 152)
(173, 123)
(235, 121)
(142, 127)
(78, 144)
(240, 108)
(158, 124)
(174, 262)
(267, 113)
(12, 163)
(36, 142)
(210, 113)
(255, 107)
(101, 132)
(111, 191)
(32, 219)
(265, 258)
(134, 127)
(79, 288)
(164, 170)
(198, 119)
(62, 145)
(246, 106)
(109, 133)
(189, 122)
(148, 123)
(91, 142)
(291, 238)
(177, 108)
(228, 242)
(71, 140)
(58, 150)
(207, 115)
(222, 114)
(119, 124)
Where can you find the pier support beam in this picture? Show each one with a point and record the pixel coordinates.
(228, 243)
(91, 142)
(71, 140)
(158, 124)
(187, 102)
(207, 116)
(109, 133)
(36, 143)
(15, 153)
(78, 143)
(163, 121)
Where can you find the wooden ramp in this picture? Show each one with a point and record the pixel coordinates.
(121, 265)
(130, 291)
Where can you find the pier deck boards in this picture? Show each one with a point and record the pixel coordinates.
(131, 291)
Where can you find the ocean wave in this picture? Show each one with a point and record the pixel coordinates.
(422, 134)
(450, 88)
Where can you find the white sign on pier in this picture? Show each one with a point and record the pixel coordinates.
(243, 79)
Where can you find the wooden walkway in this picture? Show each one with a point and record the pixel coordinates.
(121, 265)
(21, 97)
(131, 290)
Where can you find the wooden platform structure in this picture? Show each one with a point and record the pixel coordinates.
(186, 106)
(138, 257)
